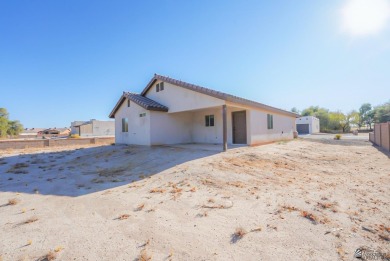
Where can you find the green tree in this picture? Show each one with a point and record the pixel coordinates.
(3, 113)
(354, 118)
(366, 114)
(3, 122)
(295, 110)
(382, 113)
(348, 120)
(14, 128)
(337, 121)
(321, 113)
(8, 127)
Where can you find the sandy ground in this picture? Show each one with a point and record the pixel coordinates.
(307, 199)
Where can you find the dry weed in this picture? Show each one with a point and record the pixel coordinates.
(309, 216)
(123, 216)
(238, 234)
(157, 190)
(258, 229)
(144, 256)
(30, 220)
(48, 257)
(384, 237)
(236, 184)
(13, 201)
(176, 190)
(140, 207)
(58, 249)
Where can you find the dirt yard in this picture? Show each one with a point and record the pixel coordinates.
(307, 199)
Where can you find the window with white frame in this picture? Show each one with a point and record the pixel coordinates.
(209, 120)
(125, 125)
(160, 87)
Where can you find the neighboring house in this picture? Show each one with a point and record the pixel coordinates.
(31, 132)
(308, 125)
(93, 128)
(169, 111)
(59, 131)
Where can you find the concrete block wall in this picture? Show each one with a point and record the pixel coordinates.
(381, 135)
(23, 144)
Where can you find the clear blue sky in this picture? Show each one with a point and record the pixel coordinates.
(62, 61)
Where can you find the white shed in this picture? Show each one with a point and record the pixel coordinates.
(308, 125)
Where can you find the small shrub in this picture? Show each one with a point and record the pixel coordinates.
(337, 136)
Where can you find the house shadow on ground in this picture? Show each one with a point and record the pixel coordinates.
(87, 170)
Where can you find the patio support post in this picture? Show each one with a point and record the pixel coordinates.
(224, 126)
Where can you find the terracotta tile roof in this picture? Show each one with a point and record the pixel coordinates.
(149, 104)
(215, 94)
(142, 101)
(145, 102)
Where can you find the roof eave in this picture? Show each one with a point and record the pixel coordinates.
(118, 104)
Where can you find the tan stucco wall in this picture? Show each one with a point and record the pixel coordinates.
(185, 120)
(170, 128)
(139, 127)
(283, 127)
(189, 127)
(179, 99)
(86, 130)
(103, 128)
(257, 131)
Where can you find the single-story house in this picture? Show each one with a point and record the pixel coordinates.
(58, 131)
(93, 128)
(308, 125)
(170, 111)
(31, 131)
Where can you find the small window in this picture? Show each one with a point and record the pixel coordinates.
(270, 121)
(160, 87)
(209, 120)
(142, 114)
(125, 125)
(128, 103)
